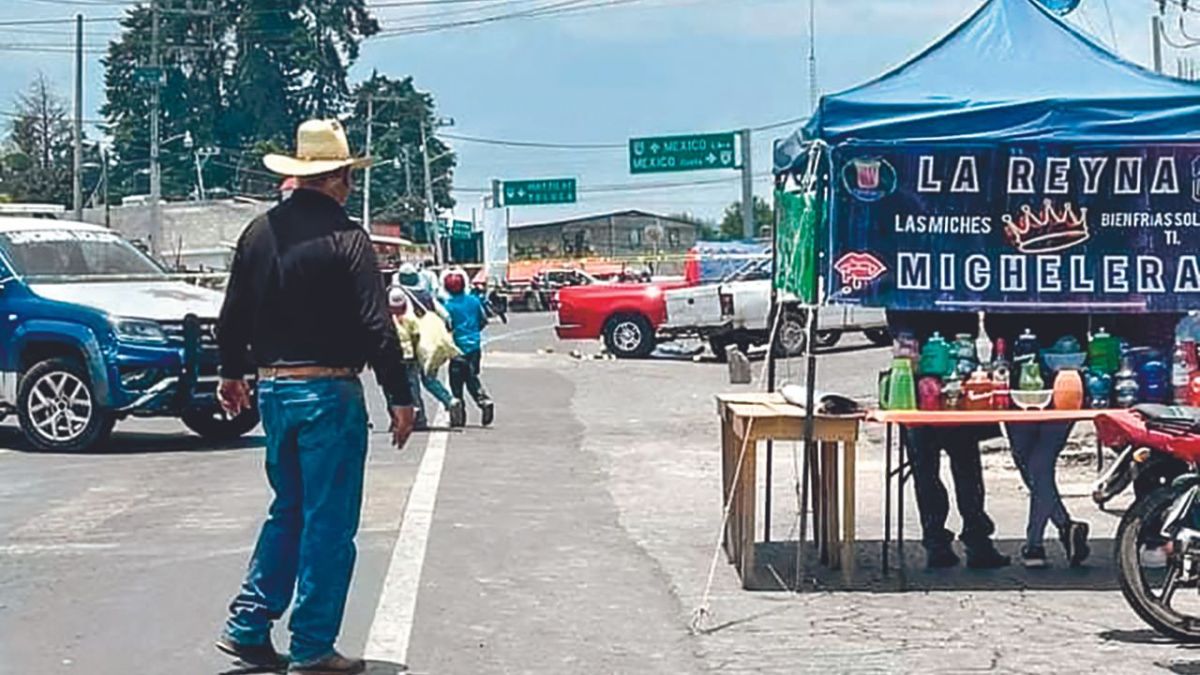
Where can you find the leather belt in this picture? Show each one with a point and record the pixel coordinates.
(307, 373)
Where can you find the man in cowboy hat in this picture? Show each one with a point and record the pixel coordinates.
(306, 307)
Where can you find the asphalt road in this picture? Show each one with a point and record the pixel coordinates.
(576, 536)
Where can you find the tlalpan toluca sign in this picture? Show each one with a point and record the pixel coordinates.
(1029, 228)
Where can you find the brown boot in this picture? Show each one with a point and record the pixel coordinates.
(334, 664)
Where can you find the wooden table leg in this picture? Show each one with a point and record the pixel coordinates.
(832, 531)
(848, 515)
(749, 497)
(729, 451)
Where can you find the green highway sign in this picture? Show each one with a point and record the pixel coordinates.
(682, 153)
(459, 229)
(536, 192)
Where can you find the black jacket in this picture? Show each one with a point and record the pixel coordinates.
(305, 289)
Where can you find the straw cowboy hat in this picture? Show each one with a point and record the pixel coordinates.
(321, 147)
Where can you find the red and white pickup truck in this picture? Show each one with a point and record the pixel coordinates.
(627, 316)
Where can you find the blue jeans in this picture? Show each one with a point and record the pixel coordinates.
(1035, 448)
(418, 377)
(316, 456)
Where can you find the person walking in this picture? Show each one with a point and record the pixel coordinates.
(408, 326)
(306, 306)
(422, 300)
(467, 320)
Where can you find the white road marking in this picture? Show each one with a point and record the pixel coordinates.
(392, 626)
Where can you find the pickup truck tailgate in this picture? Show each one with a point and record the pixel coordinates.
(696, 306)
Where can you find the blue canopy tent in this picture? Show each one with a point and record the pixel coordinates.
(1013, 71)
(925, 204)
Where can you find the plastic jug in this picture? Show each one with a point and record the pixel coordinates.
(1100, 388)
(936, 357)
(1104, 352)
(977, 392)
(1031, 377)
(900, 392)
(1126, 384)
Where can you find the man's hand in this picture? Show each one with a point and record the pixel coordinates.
(234, 396)
(403, 421)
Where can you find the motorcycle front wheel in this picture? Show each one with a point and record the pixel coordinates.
(1150, 572)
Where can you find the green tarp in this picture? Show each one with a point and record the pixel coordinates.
(800, 217)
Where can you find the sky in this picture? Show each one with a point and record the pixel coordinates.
(604, 75)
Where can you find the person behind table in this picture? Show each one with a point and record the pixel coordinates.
(409, 328)
(1036, 446)
(961, 444)
(467, 320)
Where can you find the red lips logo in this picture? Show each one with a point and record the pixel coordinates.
(859, 269)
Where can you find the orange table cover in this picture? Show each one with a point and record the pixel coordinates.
(946, 418)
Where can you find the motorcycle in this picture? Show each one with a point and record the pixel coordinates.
(1145, 468)
(1157, 548)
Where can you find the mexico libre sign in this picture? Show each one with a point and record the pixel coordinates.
(1030, 228)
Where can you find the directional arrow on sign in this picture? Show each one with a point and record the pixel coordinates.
(654, 148)
(711, 159)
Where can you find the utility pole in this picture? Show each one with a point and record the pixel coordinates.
(104, 175)
(813, 92)
(1156, 31)
(430, 207)
(77, 180)
(747, 187)
(366, 217)
(407, 172)
(155, 103)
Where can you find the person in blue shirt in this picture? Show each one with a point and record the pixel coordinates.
(468, 318)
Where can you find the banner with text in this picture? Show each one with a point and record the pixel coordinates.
(1029, 228)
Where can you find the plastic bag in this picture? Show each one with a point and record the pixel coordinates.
(436, 345)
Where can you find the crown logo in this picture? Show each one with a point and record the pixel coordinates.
(1049, 231)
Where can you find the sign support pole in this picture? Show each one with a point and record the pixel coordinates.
(748, 229)
(1156, 41)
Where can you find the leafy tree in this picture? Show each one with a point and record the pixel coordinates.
(190, 99)
(238, 75)
(400, 109)
(39, 162)
(731, 222)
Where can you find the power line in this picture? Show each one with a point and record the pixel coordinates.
(541, 145)
(536, 144)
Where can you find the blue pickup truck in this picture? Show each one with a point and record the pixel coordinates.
(93, 331)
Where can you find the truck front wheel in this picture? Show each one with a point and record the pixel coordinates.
(215, 425)
(57, 408)
(629, 336)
